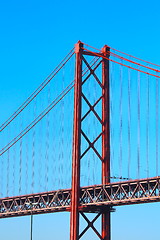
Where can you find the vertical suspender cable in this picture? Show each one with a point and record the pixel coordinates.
(47, 154)
(59, 123)
(138, 134)
(27, 158)
(33, 149)
(90, 154)
(54, 153)
(147, 128)
(47, 144)
(20, 167)
(129, 122)
(62, 126)
(2, 177)
(94, 166)
(70, 115)
(15, 167)
(40, 176)
(7, 172)
(94, 133)
(20, 161)
(27, 161)
(8, 165)
(13, 170)
(157, 123)
(111, 119)
(120, 131)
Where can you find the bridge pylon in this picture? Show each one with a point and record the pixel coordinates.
(104, 156)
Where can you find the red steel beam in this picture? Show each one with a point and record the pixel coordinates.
(74, 218)
(95, 198)
(105, 138)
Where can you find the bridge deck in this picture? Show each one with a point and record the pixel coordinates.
(92, 198)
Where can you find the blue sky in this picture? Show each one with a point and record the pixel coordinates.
(34, 37)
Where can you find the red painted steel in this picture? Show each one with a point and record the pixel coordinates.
(96, 199)
(74, 218)
(78, 132)
(105, 137)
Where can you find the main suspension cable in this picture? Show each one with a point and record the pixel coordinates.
(139, 64)
(38, 90)
(99, 55)
(38, 118)
(29, 127)
(131, 56)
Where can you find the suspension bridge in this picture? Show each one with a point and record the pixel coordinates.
(86, 140)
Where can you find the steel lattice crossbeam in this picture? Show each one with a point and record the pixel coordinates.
(95, 197)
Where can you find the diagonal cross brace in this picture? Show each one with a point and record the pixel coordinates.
(92, 72)
(92, 108)
(91, 145)
(90, 225)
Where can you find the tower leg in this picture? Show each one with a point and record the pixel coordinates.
(105, 138)
(106, 231)
(74, 218)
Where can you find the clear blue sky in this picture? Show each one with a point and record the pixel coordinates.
(34, 37)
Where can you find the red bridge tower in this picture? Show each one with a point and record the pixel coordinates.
(76, 209)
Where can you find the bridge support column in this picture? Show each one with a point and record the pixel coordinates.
(74, 218)
(105, 137)
(78, 132)
(106, 230)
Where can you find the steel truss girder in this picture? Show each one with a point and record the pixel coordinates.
(54, 201)
(122, 193)
(92, 198)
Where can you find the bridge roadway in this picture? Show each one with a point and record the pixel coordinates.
(92, 198)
